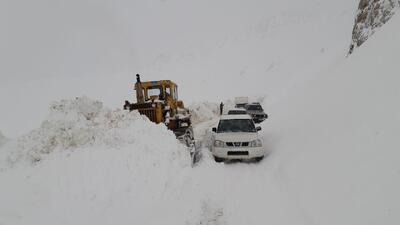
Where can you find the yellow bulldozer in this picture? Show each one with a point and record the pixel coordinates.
(158, 100)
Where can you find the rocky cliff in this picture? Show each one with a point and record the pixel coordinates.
(371, 15)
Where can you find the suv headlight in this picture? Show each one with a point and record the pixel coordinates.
(255, 143)
(219, 143)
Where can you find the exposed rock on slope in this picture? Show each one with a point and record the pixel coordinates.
(371, 14)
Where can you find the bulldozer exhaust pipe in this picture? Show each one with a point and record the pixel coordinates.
(138, 78)
(139, 90)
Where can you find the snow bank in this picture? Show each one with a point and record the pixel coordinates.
(101, 167)
(82, 122)
(203, 111)
(206, 111)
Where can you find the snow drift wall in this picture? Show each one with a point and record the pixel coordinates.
(371, 15)
(82, 122)
(203, 111)
(99, 165)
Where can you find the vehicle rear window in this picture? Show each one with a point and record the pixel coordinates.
(236, 125)
(236, 112)
(254, 107)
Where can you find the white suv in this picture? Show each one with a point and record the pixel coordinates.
(236, 137)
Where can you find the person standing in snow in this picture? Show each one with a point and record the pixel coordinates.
(221, 108)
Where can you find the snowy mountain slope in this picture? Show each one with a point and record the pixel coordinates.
(336, 138)
(54, 50)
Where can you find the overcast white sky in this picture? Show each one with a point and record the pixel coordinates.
(52, 49)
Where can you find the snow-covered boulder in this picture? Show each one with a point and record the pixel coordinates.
(371, 15)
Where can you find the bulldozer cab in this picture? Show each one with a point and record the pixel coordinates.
(163, 90)
(158, 100)
(162, 93)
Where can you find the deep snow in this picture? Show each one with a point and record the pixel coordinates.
(82, 122)
(335, 138)
(203, 111)
(86, 159)
(332, 131)
(88, 164)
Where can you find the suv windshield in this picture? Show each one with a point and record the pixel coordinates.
(238, 125)
(254, 107)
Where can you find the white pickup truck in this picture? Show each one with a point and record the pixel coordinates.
(236, 137)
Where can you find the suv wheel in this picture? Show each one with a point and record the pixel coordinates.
(258, 159)
(218, 159)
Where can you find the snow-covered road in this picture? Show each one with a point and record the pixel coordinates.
(242, 192)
